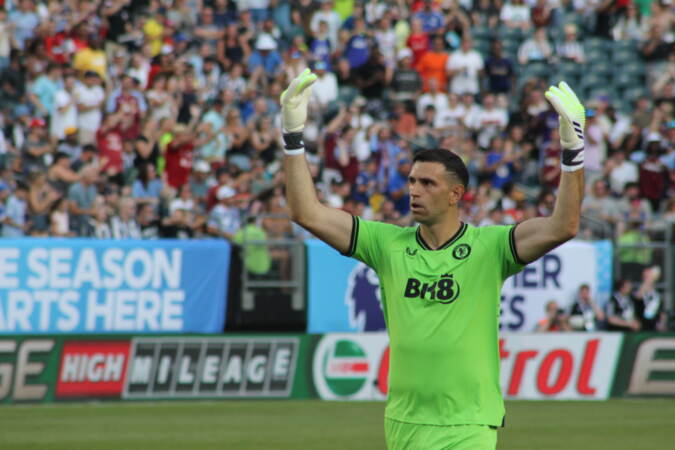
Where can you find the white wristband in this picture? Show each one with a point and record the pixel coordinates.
(295, 151)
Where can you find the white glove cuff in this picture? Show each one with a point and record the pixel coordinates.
(296, 151)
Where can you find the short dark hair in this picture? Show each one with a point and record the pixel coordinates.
(450, 160)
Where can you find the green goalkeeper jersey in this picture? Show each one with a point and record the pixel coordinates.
(441, 308)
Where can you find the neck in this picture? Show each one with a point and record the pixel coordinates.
(437, 234)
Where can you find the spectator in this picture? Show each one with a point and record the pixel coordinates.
(653, 176)
(265, 59)
(325, 90)
(397, 187)
(585, 314)
(418, 40)
(64, 112)
(147, 188)
(621, 171)
(36, 148)
(550, 162)
(433, 64)
(320, 47)
(490, 120)
(327, 14)
(600, 206)
(500, 73)
(453, 117)
(621, 308)
(536, 49)
(148, 222)
(179, 156)
(97, 225)
(500, 166)
(81, 196)
(224, 220)
(555, 319)
(357, 49)
(570, 49)
(649, 304)
(92, 58)
(516, 14)
(596, 146)
(24, 22)
(465, 66)
(634, 252)
(60, 175)
(200, 181)
(42, 91)
(434, 97)
(432, 20)
(89, 97)
(124, 224)
(59, 220)
(177, 226)
(256, 255)
(406, 81)
(41, 198)
(14, 220)
(630, 24)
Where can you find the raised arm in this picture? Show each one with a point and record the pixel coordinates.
(535, 237)
(332, 226)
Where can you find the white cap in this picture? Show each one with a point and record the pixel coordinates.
(202, 166)
(265, 42)
(225, 192)
(405, 52)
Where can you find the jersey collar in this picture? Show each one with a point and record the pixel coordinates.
(448, 243)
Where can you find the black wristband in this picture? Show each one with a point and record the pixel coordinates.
(570, 158)
(293, 141)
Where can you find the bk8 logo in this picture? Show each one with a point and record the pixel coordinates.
(445, 290)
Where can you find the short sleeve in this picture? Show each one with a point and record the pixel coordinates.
(501, 238)
(368, 241)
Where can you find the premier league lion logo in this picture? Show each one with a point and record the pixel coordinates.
(363, 299)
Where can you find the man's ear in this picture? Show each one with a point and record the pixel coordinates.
(456, 193)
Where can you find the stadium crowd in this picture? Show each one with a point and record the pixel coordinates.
(160, 118)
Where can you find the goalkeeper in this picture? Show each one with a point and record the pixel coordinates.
(441, 280)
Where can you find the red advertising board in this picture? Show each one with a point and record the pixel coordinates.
(92, 368)
(558, 365)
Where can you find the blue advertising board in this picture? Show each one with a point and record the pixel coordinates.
(343, 293)
(112, 286)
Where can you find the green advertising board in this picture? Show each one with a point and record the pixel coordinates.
(28, 368)
(72, 368)
(646, 366)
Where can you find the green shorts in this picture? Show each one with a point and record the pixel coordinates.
(410, 436)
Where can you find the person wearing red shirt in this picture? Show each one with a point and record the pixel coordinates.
(127, 104)
(418, 41)
(110, 144)
(179, 156)
(550, 161)
(653, 175)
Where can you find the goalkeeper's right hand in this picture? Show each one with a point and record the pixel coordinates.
(294, 102)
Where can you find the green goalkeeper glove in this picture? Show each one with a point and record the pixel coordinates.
(572, 116)
(294, 111)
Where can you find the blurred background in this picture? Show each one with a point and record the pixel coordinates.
(146, 241)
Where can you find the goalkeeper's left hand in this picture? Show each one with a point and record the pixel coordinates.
(572, 116)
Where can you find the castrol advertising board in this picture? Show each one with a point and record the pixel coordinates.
(551, 366)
